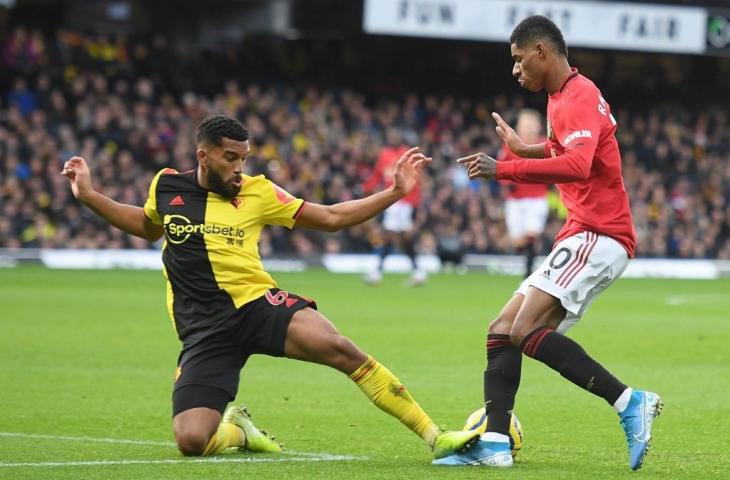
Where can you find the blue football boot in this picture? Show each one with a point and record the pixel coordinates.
(637, 420)
(493, 454)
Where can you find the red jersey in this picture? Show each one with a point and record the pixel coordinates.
(519, 190)
(585, 164)
(383, 174)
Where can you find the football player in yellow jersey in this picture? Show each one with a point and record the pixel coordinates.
(225, 307)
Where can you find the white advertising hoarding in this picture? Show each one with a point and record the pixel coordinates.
(613, 25)
(353, 263)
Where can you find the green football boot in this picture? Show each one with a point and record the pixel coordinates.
(256, 440)
(448, 443)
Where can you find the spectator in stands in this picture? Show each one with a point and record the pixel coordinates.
(133, 107)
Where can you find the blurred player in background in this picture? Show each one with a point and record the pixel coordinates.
(525, 206)
(591, 251)
(223, 304)
(398, 218)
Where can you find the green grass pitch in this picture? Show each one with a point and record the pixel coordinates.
(87, 358)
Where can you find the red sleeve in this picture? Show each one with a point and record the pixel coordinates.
(577, 127)
(504, 154)
(546, 149)
(565, 168)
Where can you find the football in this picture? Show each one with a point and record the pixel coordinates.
(478, 421)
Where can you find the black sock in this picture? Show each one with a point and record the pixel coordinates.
(530, 256)
(409, 246)
(572, 362)
(384, 252)
(501, 381)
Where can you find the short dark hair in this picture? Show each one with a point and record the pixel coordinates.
(215, 128)
(536, 28)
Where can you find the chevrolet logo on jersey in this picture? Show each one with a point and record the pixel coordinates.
(577, 134)
(179, 228)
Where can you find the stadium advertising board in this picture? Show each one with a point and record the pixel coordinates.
(89, 259)
(612, 25)
(718, 32)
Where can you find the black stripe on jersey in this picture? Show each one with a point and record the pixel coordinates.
(299, 210)
(571, 77)
(198, 302)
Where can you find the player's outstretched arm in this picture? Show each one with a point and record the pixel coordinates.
(515, 143)
(479, 165)
(571, 166)
(331, 218)
(129, 218)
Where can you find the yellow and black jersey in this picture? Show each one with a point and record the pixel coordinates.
(211, 257)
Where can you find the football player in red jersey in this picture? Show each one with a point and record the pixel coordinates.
(581, 156)
(525, 205)
(398, 226)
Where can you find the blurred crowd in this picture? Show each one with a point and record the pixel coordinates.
(122, 106)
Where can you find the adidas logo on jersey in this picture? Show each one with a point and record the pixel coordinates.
(546, 273)
(177, 202)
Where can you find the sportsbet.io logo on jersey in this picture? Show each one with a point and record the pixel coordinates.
(179, 228)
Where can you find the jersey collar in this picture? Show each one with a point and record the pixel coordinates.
(571, 77)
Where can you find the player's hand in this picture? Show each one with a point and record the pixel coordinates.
(408, 170)
(479, 165)
(77, 172)
(508, 135)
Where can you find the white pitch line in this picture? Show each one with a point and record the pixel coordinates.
(91, 463)
(292, 456)
(86, 439)
(694, 298)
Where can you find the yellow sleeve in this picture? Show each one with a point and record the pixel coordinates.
(279, 206)
(150, 206)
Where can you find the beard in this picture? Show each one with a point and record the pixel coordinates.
(223, 188)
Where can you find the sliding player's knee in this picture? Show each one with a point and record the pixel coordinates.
(191, 441)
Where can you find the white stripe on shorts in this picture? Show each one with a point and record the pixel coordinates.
(580, 261)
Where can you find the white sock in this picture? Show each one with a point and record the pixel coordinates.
(623, 400)
(494, 437)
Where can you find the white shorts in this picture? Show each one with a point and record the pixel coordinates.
(577, 271)
(398, 217)
(525, 216)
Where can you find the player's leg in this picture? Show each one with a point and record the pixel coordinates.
(564, 355)
(313, 338)
(382, 249)
(571, 286)
(503, 371)
(387, 248)
(206, 380)
(515, 218)
(541, 342)
(377, 238)
(501, 382)
(198, 427)
(408, 242)
(535, 217)
(529, 251)
(204, 431)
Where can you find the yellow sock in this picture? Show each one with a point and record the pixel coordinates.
(391, 396)
(227, 435)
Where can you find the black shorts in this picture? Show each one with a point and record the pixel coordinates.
(213, 357)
